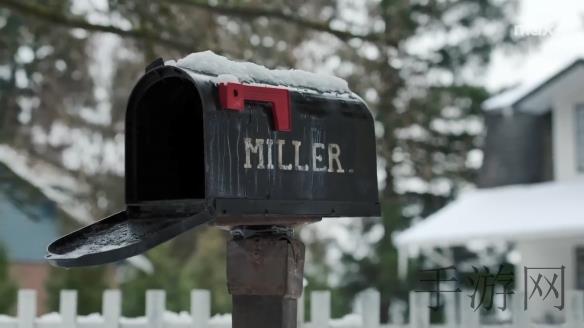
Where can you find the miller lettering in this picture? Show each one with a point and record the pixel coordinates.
(259, 155)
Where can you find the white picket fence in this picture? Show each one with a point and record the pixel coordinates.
(366, 313)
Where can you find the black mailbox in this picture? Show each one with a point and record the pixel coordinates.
(205, 148)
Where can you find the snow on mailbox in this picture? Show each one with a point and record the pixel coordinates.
(232, 143)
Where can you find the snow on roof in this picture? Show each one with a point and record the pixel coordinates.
(510, 213)
(55, 184)
(59, 187)
(208, 63)
(530, 89)
(507, 98)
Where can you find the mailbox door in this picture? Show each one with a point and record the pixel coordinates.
(165, 175)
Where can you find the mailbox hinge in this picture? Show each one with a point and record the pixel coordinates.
(234, 95)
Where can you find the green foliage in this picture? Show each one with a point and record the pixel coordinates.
(449, 125)
(8, 287)
(89, 283)
(195, 260)
(379, 268)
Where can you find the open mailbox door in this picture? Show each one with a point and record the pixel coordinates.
(255, 148)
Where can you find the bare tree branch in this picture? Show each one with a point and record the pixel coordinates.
(49, 15)
(290, 18)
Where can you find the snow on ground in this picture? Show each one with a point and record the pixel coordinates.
(172, 319)
(4, 320)
(209, 63)
(52, 317)
(94, 318)
(349, 320)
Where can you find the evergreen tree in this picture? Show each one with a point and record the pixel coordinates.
(88, 282)
(194, 260)
(7, 286)
(427, 100)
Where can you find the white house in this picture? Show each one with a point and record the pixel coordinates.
(531, 186)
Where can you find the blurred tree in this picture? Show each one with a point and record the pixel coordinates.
(89, 282)
(7, 286)
(422, 82)
(166, 275)
(195, 260)
(51, 109)
(41, 68)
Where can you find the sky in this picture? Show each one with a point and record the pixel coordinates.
(562, 24)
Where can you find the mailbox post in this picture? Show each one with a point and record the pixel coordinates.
(258, 154)
(264, 276)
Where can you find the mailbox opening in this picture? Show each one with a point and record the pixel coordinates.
(165, 140)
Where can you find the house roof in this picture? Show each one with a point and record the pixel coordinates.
(58, 188)
(28, 219)
(537, 96)
(510, 213)
(56, 184)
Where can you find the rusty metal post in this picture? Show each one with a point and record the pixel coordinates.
(265, 268)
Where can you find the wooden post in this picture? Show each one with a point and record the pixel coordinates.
(27, 308)
(111, 308)
(265, 268)
(155, 307)
(200, 308)
(419, 310)
(575, 309)
(320, 309)
(520, 315)
(68, 308)
(370, 303)
(300, 308)
(469, 318)
(450, 317)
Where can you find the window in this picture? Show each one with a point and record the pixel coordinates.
(580, 268)
(580, 138)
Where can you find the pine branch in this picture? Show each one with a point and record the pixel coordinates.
(50, 15)
(47, 14)
(253, 12)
